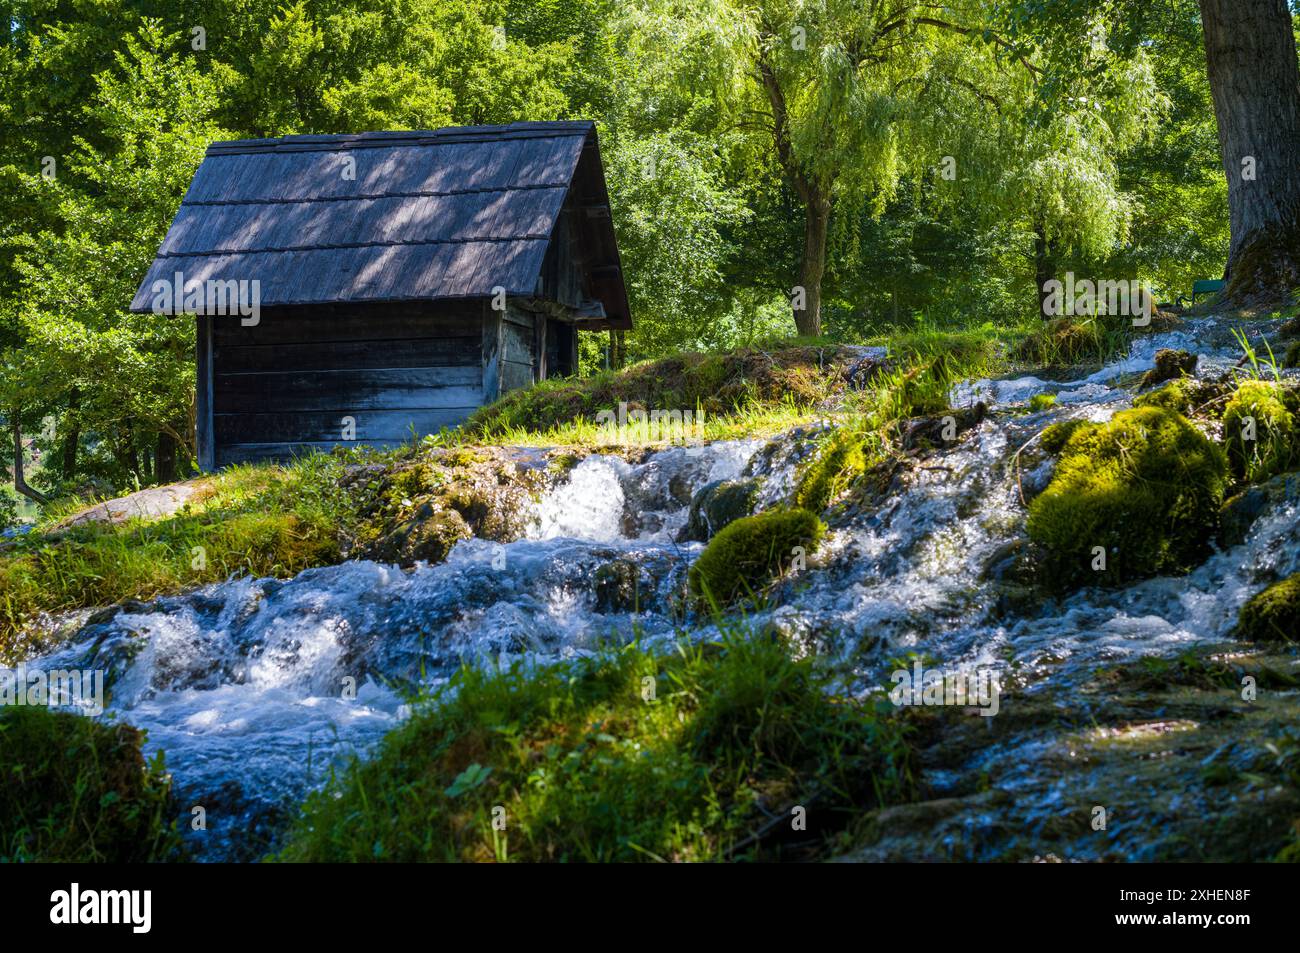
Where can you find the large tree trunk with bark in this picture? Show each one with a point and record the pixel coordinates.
(1251, 60)
(808, 319)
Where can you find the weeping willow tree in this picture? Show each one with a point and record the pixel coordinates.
(1048, 150)
(847, 97)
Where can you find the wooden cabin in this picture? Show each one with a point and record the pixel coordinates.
(380, 286)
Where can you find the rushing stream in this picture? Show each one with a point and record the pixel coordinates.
(245, 684)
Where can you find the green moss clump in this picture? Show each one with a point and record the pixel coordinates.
(1274, 614)
(1259, 432)
(623, 756)
(1147, 487)
(78, 789)
(1041, 402)
(1174, 396)
(1292, 356)
(840, 460)
(1056, 436)
(749, 553)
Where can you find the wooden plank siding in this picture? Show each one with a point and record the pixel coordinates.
(290, 383)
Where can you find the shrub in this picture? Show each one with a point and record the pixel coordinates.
(1147, 486)
(748, 554)
(79, 789)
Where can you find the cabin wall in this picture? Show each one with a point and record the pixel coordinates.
(289, 383)
(563, 279)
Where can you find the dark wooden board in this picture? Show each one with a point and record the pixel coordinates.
(370, 425)
(353, 324)
(348, 390)
(515, 376)
(517, 343)
(313, 355)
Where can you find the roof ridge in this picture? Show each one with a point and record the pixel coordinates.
(367, 196)
(402, 138)
(334, 246)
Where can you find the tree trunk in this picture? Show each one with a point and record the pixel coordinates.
(68, 467)
(1044, 270)
(1255, 81)
(617, 349)
(808, 319)
(20, 480)
(165, 457)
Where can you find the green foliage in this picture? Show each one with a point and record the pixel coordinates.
(1146, 487)
(1272, 615)
(622, 756)
(78, 789)
(8, 509)
(1259, 431)
(722, 125)
(745, 556)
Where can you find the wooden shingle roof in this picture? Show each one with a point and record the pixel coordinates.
(390, 216)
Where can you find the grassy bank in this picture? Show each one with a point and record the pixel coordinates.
(711, 753)
(265, 520)
(79, 789)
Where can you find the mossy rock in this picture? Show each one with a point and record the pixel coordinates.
(427, 537)
(1173, 396)
(1239, 513)
(1056, 436)
(749, 553)
(1259, 431)
(1274, 614)
(1292, 356)
(940, 430)
(1170, 366)
(1146, 487)
(840, 460)
(717, 505)
(617, 585)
